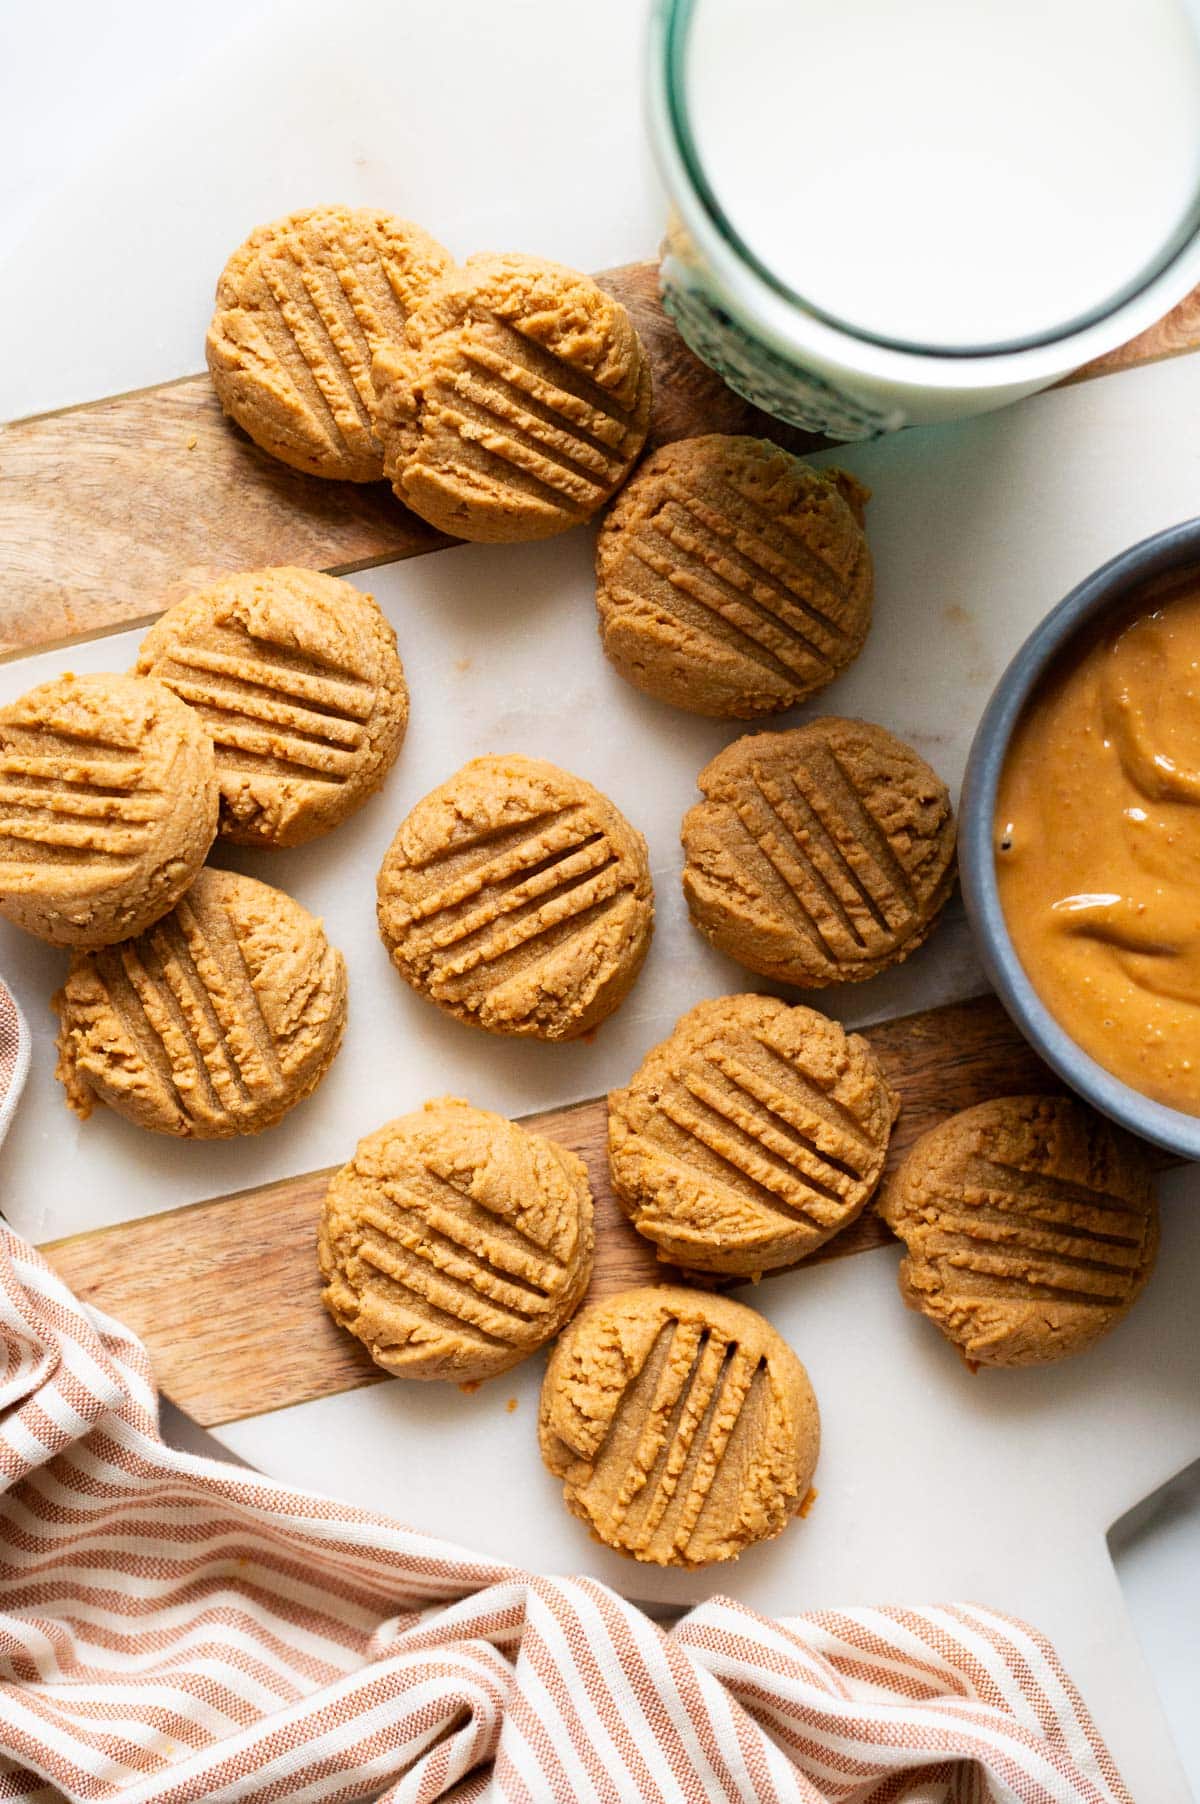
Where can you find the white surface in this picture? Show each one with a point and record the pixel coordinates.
(977, 530)
(513, 126)
(1156, 1551)
(999, 169)
(159, 149)
(1001, 1488)
(501, 655)
(933, 1485)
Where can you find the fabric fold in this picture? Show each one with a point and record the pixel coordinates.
(173, 1630)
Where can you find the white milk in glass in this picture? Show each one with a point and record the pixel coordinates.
(950, 174)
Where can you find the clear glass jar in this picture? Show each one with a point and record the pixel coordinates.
(825, 367)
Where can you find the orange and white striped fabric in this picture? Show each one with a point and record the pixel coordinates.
(174, 1629)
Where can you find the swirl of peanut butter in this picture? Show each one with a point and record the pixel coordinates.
(1098, 845)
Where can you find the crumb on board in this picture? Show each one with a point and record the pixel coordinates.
(511, 1405)
(469, 1386)
(192, 442)
(808, 1502)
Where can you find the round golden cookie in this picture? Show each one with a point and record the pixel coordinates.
(821, 855)
(1030, 1225)
(454, 1243)
(519, 899)
(296, 678)
(750, 1136)
(682, 1425)
(302, 306)
(214, 1022)
(516, 403)
(108, 807)
(731, 578)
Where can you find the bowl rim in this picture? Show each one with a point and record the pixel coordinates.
(1104, 591)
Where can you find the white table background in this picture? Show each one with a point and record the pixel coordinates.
(142, 142)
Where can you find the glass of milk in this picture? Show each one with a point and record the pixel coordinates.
(895, 212)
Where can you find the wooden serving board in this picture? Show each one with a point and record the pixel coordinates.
(107, 514)
(226, 1295)
(111, 512)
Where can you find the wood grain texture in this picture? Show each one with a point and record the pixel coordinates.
(226, 1296)
(110, 512)
(1172, 336)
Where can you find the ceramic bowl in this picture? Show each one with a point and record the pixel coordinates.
(1105, 591)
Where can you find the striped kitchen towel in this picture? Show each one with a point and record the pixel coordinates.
(174, 1629)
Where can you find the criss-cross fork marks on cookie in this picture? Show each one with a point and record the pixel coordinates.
(843, 839)
(683, 1428)
(506, 413)
(441, 1263)
(519, 901)
(212, 1022)
(68, 799)
(750, 587)
(279, 715)
(1026, 1233)
(750, 1136)
(658, 1481)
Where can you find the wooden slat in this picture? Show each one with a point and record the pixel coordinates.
(1173, 336)
(110, 512)
(226, 1295)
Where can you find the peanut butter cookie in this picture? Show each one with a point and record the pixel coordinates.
(683, 1427)
(518, 898)
(1030, 1224)
(733, 579)
(454, 1243)
(296, 678)
(750, 1137)
(302, 306)
(214, 1022)
(821, 855)
(516, 403)
(108, 806)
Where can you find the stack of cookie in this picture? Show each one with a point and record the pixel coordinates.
(506, 399)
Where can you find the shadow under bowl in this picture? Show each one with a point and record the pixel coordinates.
(1114, 586)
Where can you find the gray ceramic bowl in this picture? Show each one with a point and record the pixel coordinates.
(1105, 591)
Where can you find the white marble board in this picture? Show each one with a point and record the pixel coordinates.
(160, 138)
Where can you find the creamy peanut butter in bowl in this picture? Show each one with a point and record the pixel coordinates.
(1080, 838)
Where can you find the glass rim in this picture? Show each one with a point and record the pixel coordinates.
(678, 16)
